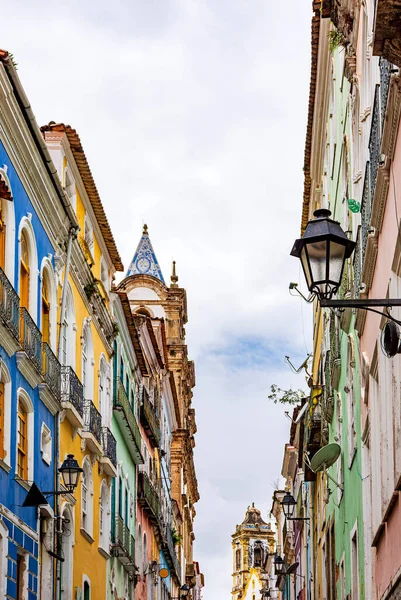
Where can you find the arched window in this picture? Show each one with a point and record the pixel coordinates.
(25, 436)
(143, 311)
(7, 229)
(257, 557)
(3, 558)
(28, 268)
(87, 497)
(67, 543)
(24, 272)
(144, 556)
(87, 591)
(139, 539)
(45, 309)
(68, 332)
(238, 559)
(5, 413)
(104, 516)
(87, 361)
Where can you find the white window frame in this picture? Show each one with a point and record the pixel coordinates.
(46, 269)
(46, 444)
(9, 219)
(26, 227)
(5, 378)
(87, 488)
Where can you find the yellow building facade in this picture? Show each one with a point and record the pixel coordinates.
(85, 346)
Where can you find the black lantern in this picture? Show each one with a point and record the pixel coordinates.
(288, 503)
(184, 590)
(323, 250)
(279, 565)
(70, 472)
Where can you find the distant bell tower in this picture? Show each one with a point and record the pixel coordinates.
(252, 542)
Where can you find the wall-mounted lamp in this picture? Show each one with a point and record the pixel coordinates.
(323, 250)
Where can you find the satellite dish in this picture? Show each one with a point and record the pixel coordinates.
(390, 339)
(301, 413)
(292, 568)
(325, 457)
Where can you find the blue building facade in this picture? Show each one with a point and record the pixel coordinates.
(29, 407)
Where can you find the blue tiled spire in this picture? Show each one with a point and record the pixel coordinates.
(145, 261)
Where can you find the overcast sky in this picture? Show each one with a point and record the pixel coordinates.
(192, 114)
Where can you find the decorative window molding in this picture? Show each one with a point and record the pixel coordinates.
(87, 360)
(3, 558)
(87, 497)
(8, 219)
(46, 444)
(26, 227)
(5, 380)
(104, 516)
(46, 271)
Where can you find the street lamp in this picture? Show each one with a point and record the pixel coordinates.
(279, 565)
(184, 589)
(323, 250)
(70, 472)
(289, 503)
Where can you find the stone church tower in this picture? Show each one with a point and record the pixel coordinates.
(166, 308)
(253, 540)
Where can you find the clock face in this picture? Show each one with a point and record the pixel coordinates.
(143, 265)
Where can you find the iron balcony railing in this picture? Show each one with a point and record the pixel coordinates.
(385, 76)
(147, 495)
(169, 546)
(123, 539)
(9, 305)
(30, 339)
(72, 389)
(149, 419)
(109, 445)
(374, 142)
(51, 369)
(122, 404)
(92, 420)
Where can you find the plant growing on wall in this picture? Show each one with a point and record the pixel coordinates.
(280, 396)
(176, 537)
(336, 39)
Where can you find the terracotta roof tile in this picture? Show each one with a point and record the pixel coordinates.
(133, 332)
(315, 29)
(90, 187)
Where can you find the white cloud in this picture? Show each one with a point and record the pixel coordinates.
(192, 114)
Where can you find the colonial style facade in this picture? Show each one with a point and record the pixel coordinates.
(350, 543)
(95, 374)
(253, 543)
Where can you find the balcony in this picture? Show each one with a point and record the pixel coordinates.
(50, 390)
(29, 358)
(148, 497)
(72, 397)
(123, 543)
(9, 315)
(108, 461)
(127, 422)
(92, 429)
(387, 34)
(149, 419)
(171, 557)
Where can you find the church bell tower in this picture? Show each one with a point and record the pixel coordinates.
(253, 540)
